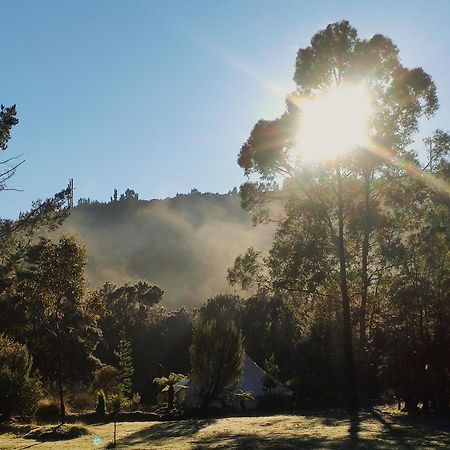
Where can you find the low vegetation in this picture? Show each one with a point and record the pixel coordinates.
(333, 430)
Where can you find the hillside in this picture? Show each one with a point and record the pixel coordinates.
(182, 244)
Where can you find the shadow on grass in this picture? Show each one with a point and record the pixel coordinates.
(159, 432)
(414, 432)
(354, 426)
(251, 441)
(360, 430)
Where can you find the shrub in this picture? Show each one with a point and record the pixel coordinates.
(168, 383)
(116, 404)
(59, 433)
(83, 401)
(19, 391)
(106, 379)
(241, 397)
(48, 411)
(217, 356)
(272, 372)
(100, 407)
(136, 400)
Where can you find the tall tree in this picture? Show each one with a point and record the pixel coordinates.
(126, 369)
(61, 324)
(216, 358)
(330, 193)
(417, 249)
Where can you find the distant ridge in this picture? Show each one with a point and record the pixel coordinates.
(182, 244)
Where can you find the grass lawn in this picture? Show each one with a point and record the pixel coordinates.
(337, 430)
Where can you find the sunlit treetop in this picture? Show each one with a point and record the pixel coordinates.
(326, 109)
(334, 122)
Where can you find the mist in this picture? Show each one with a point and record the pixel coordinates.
(184, 244)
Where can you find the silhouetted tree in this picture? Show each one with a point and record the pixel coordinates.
(216, 358)
(126, 369)
(62, 324)
(8, 167)
(19, 390)
(325, 197)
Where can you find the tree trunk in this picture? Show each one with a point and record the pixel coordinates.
(60, 382)
(364, 284)
(170, 398)
(350, 379)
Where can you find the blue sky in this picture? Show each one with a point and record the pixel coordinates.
(159, 96)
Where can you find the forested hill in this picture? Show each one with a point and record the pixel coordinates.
(182, 244)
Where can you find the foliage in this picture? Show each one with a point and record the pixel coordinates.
(330, 247)
(160, 338)
(19, 390)
(48, 410)
(123, 311)
(272, 372)
(247, 271)
(116, 404)
(126, 369)
(167, 384)
(8, 119)
(58, 433)
(106, 379)
(136, 400)
(216, 358)
(241, 397)
(50, 289)
(100, 406)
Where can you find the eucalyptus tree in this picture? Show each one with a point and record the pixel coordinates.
(8, 119)
(60, 327)
(325, 197)
(417, 249)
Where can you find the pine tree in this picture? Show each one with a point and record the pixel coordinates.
(126, 369)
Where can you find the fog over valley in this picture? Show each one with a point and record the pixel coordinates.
(184, 244)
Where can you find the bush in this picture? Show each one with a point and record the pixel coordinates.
(59, 433)
(136, 400)
(106, 379)
(83, 401)
(48, 411)
(100, 407)
(117, 404)
(217, 356)
(19, 391)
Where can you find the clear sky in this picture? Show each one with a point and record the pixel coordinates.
(159, 96)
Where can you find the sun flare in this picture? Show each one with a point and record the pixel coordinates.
(334, 123)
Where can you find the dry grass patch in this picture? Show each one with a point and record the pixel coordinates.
(369, 430)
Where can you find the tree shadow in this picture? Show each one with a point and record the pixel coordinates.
(276, 440)
(414, 431)
(158, 432)
(354, 425)
(251, 441)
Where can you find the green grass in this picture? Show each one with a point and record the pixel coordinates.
(368, 430)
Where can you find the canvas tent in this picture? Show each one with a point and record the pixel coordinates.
(251, 381)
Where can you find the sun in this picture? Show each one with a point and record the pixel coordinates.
(334, 122)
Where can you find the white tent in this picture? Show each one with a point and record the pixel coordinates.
(251, 381)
